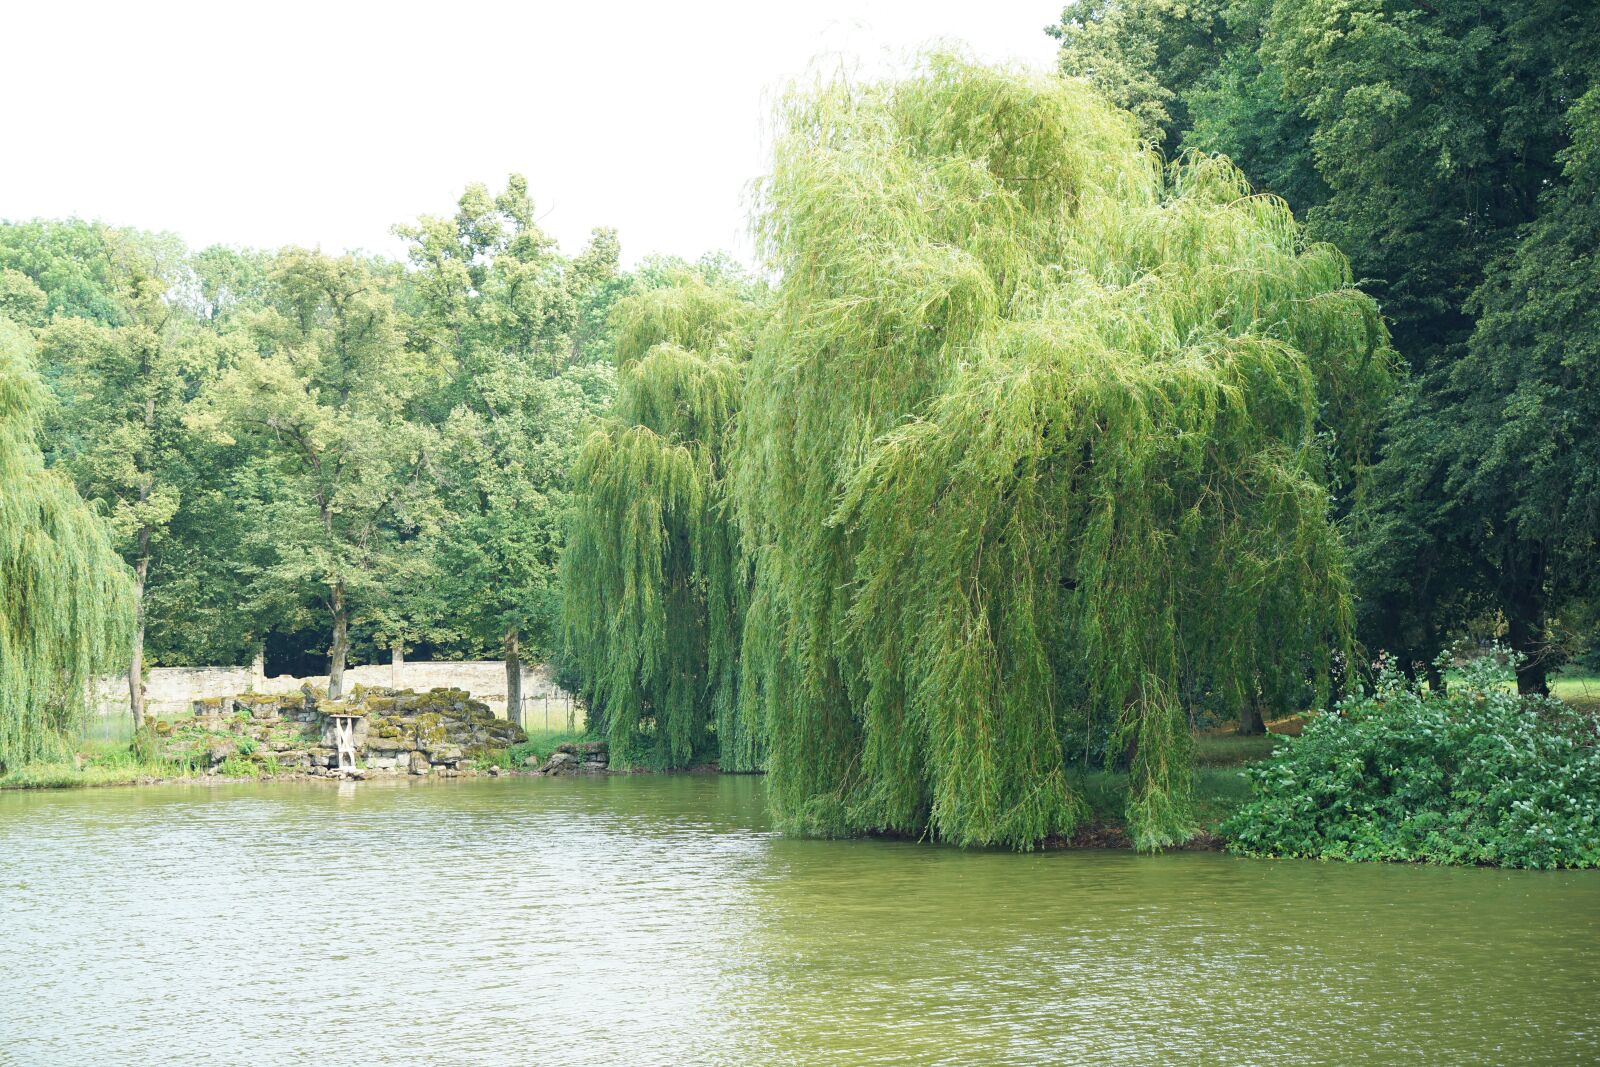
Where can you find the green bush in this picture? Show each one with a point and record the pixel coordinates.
(236, 767)
(1477, 775)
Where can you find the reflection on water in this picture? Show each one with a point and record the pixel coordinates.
(657, 920)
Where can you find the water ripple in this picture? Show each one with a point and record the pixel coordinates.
(658, 920)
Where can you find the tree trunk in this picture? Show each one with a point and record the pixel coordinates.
(141, 569)
(1250, 722)
(136, 661)
(1525, 634)
(513, 677)
(1436, 680)
(1523, 604)
(397, 662)
(341, 644)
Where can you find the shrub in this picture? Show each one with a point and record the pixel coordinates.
(236, 767)
(1477, 775)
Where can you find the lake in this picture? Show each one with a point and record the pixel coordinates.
(659, 920)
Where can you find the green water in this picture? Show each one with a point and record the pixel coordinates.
(659, 921)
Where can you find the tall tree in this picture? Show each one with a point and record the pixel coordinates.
(1040, 426)
(598, 282)
(1419, 138)
(83, 267)
(66, 599)
(1193, 74)
(124, 392)
(327, 402)
(500, 308)
(655, 583)
(1436, 129)
(1522, 442)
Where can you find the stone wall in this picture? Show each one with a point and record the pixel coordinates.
(443, 732)
(173, 690)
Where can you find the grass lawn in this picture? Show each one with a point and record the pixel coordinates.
(1577, 687)
(538, 744)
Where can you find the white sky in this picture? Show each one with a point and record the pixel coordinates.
(326, 122)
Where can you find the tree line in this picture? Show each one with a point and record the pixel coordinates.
(1058, 433)
(312, 452)
(1072, 410)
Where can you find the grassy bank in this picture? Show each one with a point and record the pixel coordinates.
(1220, 787)
(106, 757)
(1218, 793)
(537, 744)
(96, 763)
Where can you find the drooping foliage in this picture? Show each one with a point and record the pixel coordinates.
(655, 583)
(66, 599)
(1042, 431)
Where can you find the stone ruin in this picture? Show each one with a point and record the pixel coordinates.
(438, 732)
(574, 757)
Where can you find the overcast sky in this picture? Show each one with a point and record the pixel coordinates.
(326, 122)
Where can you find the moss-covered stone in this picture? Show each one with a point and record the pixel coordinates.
(429, 728)
(442, 728)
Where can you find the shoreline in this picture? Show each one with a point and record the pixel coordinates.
(1095, 834)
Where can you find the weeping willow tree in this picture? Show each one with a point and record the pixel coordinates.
(654, 584)
(66, 599)
(1043, 430)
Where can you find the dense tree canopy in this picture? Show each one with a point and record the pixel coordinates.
(1425, 141)
(124, 392)
(505, 314)
(316, 458)
(1064, 417)
(327, 408)
(1524, 448)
